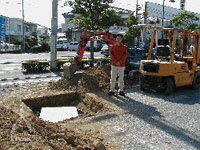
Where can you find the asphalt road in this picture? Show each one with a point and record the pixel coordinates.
(11, 71)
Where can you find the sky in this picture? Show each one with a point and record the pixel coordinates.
(40, 11)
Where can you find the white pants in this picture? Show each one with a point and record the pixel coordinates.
(117, 71)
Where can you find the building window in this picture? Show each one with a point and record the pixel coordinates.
(19, 28)
(27, 29)
(31, 29)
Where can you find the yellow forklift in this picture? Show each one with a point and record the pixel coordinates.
(170, 69)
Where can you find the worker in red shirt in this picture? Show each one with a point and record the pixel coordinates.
(118, 54)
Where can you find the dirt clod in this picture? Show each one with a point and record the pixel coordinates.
(100, 146)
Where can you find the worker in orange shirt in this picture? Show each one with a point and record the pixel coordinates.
(118, 54)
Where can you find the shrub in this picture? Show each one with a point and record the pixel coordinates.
(105, 60)
(44, 47)
(39, 65)
(35, 65)
(61, 62)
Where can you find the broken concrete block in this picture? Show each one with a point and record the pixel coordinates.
(69, 69)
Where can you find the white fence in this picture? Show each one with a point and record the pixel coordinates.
(10, 48)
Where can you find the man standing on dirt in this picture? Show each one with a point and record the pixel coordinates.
(118, 54)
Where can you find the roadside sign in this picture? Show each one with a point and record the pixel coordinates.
(2, 28)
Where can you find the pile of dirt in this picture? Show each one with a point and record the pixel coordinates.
(21, 129)
(30, 132)
(92, 80)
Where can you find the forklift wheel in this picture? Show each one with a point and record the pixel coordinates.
(141, 83)
(196, 81)
(168, 86)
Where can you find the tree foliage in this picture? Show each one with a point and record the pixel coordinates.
(94, 14)
(186, 20)
(132, 31)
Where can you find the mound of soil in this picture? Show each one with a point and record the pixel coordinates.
(21, 129)
(19, 132)
(92, 80)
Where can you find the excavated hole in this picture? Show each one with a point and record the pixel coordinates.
(54, 107)
(57, 105)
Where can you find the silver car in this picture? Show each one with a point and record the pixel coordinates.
(105, 50)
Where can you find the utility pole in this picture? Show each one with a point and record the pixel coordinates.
(23, 36)
(163, 17)
(54, 28)
(136, 11)
(8, 21)
(182, 4)
(144, 33)
(92, 42)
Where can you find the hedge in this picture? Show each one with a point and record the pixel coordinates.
(39, 65)
(35, 65)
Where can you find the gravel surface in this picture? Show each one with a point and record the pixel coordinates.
(156, 122)
(143, 120)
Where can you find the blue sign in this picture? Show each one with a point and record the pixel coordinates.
(2, 28)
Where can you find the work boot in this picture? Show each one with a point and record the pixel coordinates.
(110, 93)
(121, 93)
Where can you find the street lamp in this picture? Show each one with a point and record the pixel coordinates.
(23, 38)
(163, 17)
(136, 9)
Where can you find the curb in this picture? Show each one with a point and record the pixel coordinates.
(27, 78)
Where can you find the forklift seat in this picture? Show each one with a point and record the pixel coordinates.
(163, 51)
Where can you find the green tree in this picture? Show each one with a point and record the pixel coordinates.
(186, 20)
(94, 14)
(132, 31)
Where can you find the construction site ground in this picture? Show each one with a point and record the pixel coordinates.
(142, 120)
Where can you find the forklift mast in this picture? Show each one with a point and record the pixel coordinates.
(196, 38)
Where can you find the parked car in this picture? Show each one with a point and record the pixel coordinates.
(8, 47)
(62, 44)
(96, 43)
(4, 45)
(105, 50)
(73, 46)
(135, 54)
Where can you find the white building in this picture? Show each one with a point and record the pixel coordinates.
(68, 21)
(118, 29)
(156, 11)
(43, 32)
(73, 32)
(15, 29)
